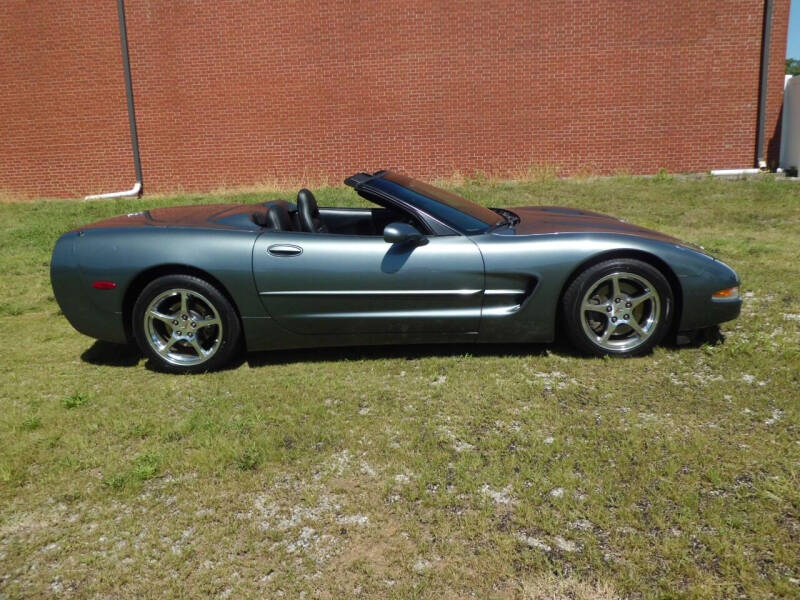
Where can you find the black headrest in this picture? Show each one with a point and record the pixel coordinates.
(306, 199)
(308, 211)
(278, 218)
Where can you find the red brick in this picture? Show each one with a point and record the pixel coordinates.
(234, 93)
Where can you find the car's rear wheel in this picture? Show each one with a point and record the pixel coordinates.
(620, 307)
(185, 325)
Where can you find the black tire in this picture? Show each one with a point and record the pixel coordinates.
(196, 327)
(626, 323)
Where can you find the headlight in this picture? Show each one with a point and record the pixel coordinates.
(730, 293)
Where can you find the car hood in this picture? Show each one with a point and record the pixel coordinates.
(537, 220)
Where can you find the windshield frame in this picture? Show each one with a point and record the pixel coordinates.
(457, 212)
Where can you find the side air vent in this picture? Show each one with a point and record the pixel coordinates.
(505, 295)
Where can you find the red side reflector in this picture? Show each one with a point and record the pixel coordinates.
(104, 285)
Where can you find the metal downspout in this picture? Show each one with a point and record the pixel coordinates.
(766, 37)
(136, 190)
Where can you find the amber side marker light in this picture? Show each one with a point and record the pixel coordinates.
(104, 285)
(727, 293)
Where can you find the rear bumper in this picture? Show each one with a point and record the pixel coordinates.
(74, 296)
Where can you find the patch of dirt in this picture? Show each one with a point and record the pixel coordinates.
(551, 587)
(378, 554)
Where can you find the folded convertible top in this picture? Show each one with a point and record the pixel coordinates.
(359, 179)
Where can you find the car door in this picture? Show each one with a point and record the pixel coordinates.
(318, 283)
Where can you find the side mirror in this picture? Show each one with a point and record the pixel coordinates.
(398, 233)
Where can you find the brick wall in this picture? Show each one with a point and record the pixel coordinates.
(235, 93)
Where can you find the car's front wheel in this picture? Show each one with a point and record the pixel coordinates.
(620, 307)
(185, 325)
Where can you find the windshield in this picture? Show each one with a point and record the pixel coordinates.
(451, 208)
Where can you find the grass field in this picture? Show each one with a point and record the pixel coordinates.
(419, 472)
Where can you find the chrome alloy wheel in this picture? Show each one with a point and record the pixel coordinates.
(183, 327)
(620, 311)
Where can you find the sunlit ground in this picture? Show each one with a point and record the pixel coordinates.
(429, 472)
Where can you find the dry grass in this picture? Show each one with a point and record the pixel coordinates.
(550, 587)
(421, 472)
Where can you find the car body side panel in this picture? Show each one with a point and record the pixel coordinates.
(121, 254)
(316, 284)
(549, 260)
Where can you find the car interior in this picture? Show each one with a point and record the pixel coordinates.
(307, 216)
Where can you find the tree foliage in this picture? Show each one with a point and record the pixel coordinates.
(793, 66)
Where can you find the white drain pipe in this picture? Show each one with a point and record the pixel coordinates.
(760, 160)
(136, 190)
(729, 172)
(763, 86)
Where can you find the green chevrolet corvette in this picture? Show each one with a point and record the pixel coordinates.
(195, 285)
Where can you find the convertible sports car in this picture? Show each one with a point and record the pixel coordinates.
(193, 285)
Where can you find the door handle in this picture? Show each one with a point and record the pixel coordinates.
(284, 250)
